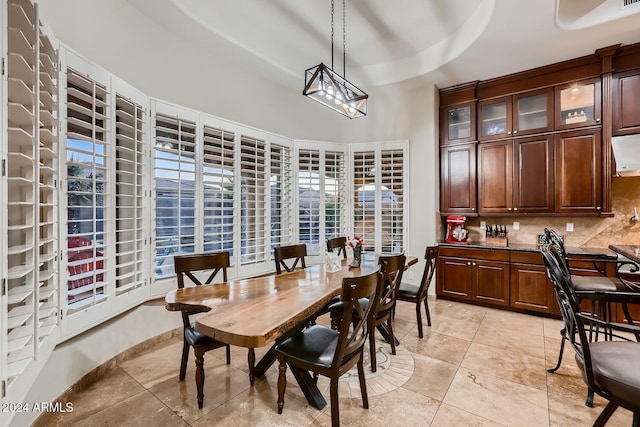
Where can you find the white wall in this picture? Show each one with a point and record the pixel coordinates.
(119, 38)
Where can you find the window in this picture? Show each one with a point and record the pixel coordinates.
(175, 184)
(86, 151)
(280, 193)
(379, 177)
(219, 190)
(252, 200)
(309, 199)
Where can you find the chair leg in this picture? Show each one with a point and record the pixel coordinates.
(426, 307)
(552, 370)
(392, 338)
(606, 414)
(636, 419)
(372, 349)
(590, 396)
(185, 359)
(199, 352)
(363, 384)
(419, 319)
(282, 382)
(228, 354)
(335, 411)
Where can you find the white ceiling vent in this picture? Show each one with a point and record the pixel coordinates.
(626, 3)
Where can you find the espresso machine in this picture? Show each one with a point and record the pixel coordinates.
(456, 233)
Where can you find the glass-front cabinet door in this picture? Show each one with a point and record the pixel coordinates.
(495, 118)
(458, 123)
(578, 104)
(533, 112)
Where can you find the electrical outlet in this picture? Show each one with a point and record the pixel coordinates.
(569, 226)
(483, 225)
(410, 273)
(516, 225)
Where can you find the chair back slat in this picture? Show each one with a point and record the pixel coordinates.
(391, 268)
(288, 257)
(353, 329)
(339, 243)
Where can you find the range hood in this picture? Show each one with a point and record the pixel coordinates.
(626, 150)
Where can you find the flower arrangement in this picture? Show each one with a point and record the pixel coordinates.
(355, 241)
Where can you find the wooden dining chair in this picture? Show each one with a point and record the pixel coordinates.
(332, 353)
(339, 243)
(610, 368)
(288, 257)
(384, 304)
(418, 294)
(188, 266)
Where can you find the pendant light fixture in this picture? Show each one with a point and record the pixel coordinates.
(329, 88)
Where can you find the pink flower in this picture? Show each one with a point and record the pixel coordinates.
(355, 241)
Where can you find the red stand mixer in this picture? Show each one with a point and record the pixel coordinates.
(456, 233)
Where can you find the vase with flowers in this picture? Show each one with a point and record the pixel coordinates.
(356, 243)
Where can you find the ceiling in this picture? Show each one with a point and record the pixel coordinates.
(443, 41)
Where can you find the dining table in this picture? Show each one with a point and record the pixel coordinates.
(266, 310)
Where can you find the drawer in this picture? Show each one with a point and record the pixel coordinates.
(475, 253)
(524, 257)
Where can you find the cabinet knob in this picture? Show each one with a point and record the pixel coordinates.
(468, 263)
(474, 263)
(473, 209)
(598, 208)
(508, 209)
(598, 119)
(509, 133)
(515, 131)
(515, 209)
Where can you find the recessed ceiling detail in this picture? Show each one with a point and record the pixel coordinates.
(578, 14)
(386, 43)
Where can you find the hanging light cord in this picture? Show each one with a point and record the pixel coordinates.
(332, 34)
(344, 38)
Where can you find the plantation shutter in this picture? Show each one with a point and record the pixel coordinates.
(253, 200)
(364, 206)
(175, 183)
(218, 190)
(392, 200)
(130, 158)
(335, 183)
(87, 162)
(309, 200)
(281, 196)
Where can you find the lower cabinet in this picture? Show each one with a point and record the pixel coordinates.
(480, 275)
(516, 279)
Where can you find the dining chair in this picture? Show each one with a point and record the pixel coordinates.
(384, 304)
(288, 257)
(418, 294)
(332, 353)
(609, 368)
(339, 243)
(589, 288)
(189, 266)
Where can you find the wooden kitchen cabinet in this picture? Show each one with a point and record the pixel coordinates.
(578, 104)
(458, 123)
(515, 115)
(474, 275)
(578, 172)
(458, 193)
(516, 176)
(530, 287)
(626, 103)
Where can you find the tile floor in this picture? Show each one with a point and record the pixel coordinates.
(474, 367)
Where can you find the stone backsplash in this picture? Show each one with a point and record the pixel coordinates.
(587, 231)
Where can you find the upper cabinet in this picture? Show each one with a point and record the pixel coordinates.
(626, 103)
(578, 104)
(458, 123)
(522, 114)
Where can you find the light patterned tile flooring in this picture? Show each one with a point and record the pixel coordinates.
(474, 367)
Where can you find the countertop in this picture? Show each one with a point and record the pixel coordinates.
(629, 251)
(571, 250)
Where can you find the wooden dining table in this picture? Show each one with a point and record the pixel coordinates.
(265, 310)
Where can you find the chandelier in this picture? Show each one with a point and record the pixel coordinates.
(324, 85)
